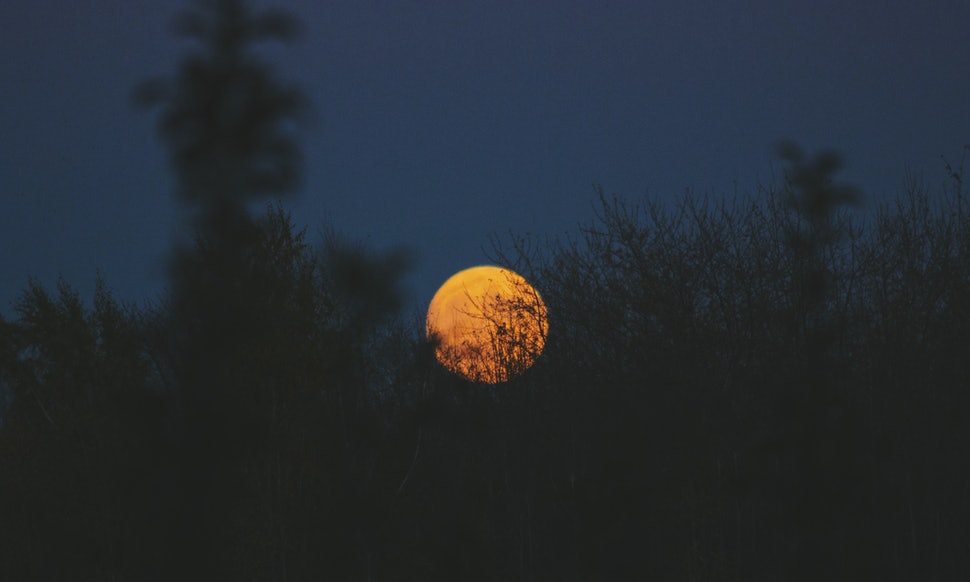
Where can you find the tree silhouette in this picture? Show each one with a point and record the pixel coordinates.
(767, 369)
(80, 442)
(229, 126)
(819, 435)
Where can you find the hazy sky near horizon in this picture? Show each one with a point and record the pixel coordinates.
(440, 123)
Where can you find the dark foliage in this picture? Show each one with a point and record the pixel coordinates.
(704, 410)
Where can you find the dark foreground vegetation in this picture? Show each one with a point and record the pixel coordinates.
(768, 388)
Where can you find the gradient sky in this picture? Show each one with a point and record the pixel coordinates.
(440, 123)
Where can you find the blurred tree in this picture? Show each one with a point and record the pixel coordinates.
(228, 122)
(229, 126)
(824, 477)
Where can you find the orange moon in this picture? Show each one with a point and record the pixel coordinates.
(488, 323)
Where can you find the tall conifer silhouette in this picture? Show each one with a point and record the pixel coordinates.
(229, 127)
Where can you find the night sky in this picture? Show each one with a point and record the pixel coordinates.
(439, 123)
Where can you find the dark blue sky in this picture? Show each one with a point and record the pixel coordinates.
(438, 123)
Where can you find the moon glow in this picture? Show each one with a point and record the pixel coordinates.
(489, 324)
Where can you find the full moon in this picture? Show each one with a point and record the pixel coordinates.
(488, 323)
